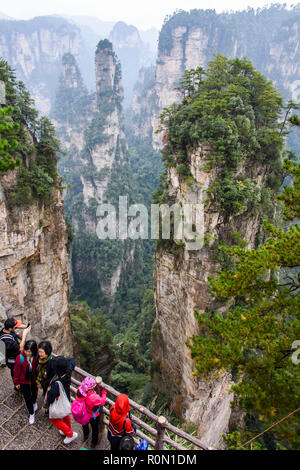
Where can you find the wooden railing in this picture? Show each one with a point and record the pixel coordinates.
(158, 437)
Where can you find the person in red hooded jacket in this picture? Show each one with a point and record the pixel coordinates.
(120, 424)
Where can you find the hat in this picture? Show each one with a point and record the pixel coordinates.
(87, 384)
(12, 323)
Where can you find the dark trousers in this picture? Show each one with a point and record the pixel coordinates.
(95, 429)
(115, 441)
(29, 392)
(11, 366)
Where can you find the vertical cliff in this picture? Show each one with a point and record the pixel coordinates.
(216, 159)
(34, 258)
(269, 37)
(91, 127)
(34, 48)
(34, 267)
(133, 54)
(144, 105)
(105, 143)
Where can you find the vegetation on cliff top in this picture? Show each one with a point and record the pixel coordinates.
(28, 142)
(256, 24)
(234, 109)
(255, 339)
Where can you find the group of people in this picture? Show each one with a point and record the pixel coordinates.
(33, 366)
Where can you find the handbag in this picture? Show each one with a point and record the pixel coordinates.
(60, 407)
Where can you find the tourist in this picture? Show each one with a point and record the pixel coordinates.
(25, 376)
(87, 396)
(127, 443)
(120, 423)
(59, 388)
(45, 371)
(13, 342)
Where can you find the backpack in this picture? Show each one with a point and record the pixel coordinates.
(129, 440)
(93, 401)
(79, 411)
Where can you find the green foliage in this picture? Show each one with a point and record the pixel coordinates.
(254, 338)
(103, 45)
(92, 336)
(132, 373)
(28, 142)
(72, 103)
(235, 110)
(8, 142)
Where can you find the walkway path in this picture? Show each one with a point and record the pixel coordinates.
(17, 434)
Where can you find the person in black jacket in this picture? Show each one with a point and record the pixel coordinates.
(63, 368)
(13, 342)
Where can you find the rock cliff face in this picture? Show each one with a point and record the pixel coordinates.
(133, 54)
(144, 104)
(181, 285)
(34, 268)
(73, 109)
(268, 38)
(109, 93)
(34, 48)
(91, 129)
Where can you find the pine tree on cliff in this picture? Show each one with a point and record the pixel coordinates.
(256, 339)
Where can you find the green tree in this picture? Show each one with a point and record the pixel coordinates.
(253, 338)
(93, 340)
(8, 142)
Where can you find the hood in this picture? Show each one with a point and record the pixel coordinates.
(122, 406)
(120, 410)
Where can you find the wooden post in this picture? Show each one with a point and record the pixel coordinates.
(98, 389)
(161, 423)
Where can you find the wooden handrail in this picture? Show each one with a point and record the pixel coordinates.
(161, 423)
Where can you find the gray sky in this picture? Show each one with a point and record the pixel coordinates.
(138, 12)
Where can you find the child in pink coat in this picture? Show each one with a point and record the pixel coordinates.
(93, 403)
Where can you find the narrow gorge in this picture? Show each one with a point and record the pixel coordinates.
(207, 120)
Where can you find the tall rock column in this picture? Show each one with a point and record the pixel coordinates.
(232, 188)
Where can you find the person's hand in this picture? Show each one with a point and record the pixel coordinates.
(18, 387)
(27, 330)
(98, 380)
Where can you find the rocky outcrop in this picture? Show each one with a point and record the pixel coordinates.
(34, 267)
(109, 95)
(91, 128)
(269, 38)
(72, 111)
(181, 285)
(34, 48)
(133, 54)
(144, 104)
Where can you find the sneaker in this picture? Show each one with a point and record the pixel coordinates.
(31, 419)
(35, 407)
(67, 440)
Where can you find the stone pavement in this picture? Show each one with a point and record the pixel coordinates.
(17, 434)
